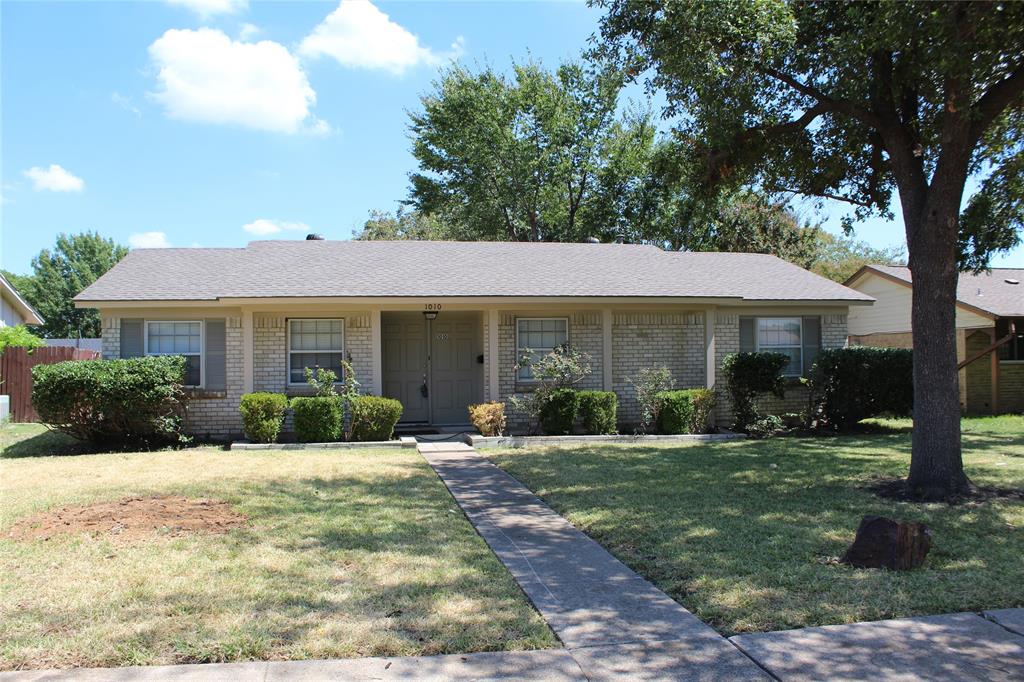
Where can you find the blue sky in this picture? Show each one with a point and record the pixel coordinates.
(215, 122)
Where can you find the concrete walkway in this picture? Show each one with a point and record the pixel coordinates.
(613, 622)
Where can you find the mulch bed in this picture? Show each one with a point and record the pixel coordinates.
(134, 518)
(896, 489)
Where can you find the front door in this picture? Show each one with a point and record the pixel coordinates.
(404, 363)
(432, 367)
(456, 371)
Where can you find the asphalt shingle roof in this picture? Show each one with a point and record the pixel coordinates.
(993, 291)
(445, 269)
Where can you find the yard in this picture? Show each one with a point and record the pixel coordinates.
(746, 534)
(342, 553)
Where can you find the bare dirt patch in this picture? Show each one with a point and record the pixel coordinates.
(134, 518)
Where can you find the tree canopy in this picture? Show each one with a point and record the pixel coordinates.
(856, 102)
(75, 262)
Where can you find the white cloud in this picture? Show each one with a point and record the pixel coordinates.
(206, 76)
(125, 103)
(248, 31)
(264, 226)
(208, 8)
(359, 35)
(54, 179)
(148, 240)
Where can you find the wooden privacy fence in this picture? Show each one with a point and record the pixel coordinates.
(16, 374)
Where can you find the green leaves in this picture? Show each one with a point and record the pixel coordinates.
(526, 157)
(59, 275)
(19, 337)
(117, 403)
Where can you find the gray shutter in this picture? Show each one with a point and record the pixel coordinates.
(811, 341)
(132, 343)
(215, 351)
(748, 342)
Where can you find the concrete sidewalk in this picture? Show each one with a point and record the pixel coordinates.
(614, 623)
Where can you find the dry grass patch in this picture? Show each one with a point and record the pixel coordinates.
(346, 553)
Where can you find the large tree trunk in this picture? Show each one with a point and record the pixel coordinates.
(936, 465)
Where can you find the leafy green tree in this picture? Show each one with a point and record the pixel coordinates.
(750, 223)
(840, 257)
(857, 102)
(521, 158)
(59, 275)
(384, 226)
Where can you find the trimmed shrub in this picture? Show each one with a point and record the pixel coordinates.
(686, 411)
(488, 418)
(113, 403)
(319, 419)
(850, 384)
(748, 375)
(558, 412)
(262, 414)
(373, 417)
(598, 410)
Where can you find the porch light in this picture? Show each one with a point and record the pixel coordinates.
(430, 314)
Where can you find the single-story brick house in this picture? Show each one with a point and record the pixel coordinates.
(440, 325)
(988, 304)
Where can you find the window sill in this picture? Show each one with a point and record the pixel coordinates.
(204, 394)
(1011, 362)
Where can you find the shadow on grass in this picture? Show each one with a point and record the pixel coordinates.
(45, 444)
(745, 534)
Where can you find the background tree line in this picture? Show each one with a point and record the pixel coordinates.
(542, 155)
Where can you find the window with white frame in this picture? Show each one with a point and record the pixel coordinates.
(538, 336)
(314, 343)
(782, 335)
(178, 338)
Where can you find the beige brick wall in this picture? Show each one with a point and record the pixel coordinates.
(651, 340)
(1011, 387)
(214, 415)
(979, 380)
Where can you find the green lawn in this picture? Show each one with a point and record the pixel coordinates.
(347, 553)
(745, 534)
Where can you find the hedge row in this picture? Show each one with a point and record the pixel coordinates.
(320, 419)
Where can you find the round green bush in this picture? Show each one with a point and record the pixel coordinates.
(319, 419)
(685, 411)
(113, 403)
(598, 410)
(558, 412)
(374, 418)
(850, 384)
(262, 415)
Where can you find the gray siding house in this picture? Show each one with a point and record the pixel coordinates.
(440, 325)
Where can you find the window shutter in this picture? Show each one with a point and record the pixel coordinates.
(748, 342)
(132, 344)
(215, 351)
(811, 341)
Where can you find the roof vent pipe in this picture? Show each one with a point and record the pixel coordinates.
(314, 237)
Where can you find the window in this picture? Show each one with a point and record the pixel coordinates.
(314, 343)
(782, 335)
(178, 338)
(1012, 350)
(539, 335)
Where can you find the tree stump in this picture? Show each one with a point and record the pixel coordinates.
(886, 543)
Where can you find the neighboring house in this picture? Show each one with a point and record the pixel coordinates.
(987, 305)
(440, 325)
(14, 309)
